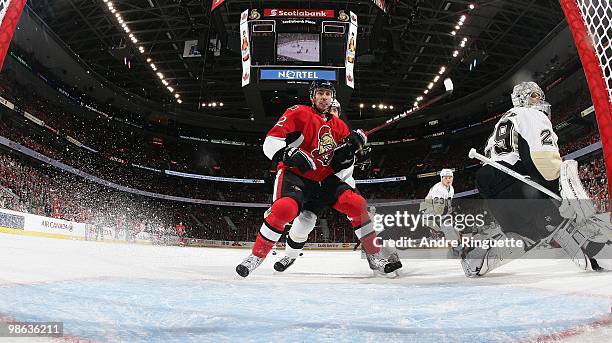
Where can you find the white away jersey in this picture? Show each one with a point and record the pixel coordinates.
(530, 124)
(438, 191)
(438, 200)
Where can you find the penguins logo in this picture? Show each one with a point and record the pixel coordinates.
(326, 143)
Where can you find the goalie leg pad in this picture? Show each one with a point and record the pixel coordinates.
(576, 203)
(573, 241)
(478, 261)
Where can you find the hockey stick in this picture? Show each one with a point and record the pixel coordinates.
(496, 165)
(448, 86)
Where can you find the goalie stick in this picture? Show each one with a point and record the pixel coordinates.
(449, 87)
(522, 178)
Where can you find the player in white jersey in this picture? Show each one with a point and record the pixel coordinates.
(524, 140)
(438, 204)
(440, 196)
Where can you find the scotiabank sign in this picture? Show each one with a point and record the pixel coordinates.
(298, 13)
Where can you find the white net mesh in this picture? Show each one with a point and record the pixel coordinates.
(3, 6)
(597, 15)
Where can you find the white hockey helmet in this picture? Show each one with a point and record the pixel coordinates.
(446, 172)
(529, 94)
(336, 104)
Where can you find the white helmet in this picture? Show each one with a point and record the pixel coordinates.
(446, 172)
(335, 104)
(524, 91)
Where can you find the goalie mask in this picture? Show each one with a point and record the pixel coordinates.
(529, 94)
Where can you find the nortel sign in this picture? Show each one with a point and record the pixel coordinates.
(297, 74)
(298, 13)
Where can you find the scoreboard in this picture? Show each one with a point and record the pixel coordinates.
(284, 49)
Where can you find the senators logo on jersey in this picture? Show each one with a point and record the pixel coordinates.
(325, 143)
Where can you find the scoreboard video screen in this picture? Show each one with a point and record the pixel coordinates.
(298, 47)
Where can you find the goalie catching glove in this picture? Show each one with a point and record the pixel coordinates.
(345, 155)
(295, 157)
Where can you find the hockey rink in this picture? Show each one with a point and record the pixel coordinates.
(118, 292)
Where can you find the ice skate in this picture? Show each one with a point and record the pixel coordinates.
(284, 263)
(248, 265)
(383, 265)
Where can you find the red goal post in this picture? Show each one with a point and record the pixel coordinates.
(591, 24)
(10, 11)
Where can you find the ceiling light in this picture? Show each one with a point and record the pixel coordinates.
(361, 105)
(442, 70)
(419, 98)
(462, 18)
(430, 85)
(391, 107)
(472, 6)
(380, 106)
(160, 75)
(457, 27)
(436, 78)
(214, 104)
(179, 101)
(170, 89)
(177, 96)
(416, 104)
(426, 91)
(165, 82)
(386, 107)
(373, 106)
(221, 104)
(148, 60)
(453, 33)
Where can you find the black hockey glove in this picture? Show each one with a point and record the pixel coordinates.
(362, 159)
(345, 155)
(294, 157)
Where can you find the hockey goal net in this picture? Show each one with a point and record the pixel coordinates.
(591, 24)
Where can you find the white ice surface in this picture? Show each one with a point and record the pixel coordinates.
(119, 292)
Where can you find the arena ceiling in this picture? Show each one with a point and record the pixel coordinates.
(399, 52)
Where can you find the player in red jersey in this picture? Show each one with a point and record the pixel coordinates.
(301, 133)
(180, 232)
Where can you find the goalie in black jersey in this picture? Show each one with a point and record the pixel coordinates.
(524, 141)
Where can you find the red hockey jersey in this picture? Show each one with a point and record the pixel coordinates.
(303, 127)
